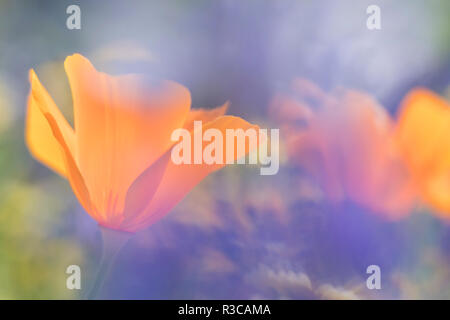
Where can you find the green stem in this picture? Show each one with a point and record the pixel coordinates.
(113, 241)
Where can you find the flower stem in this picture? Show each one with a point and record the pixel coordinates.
(113, 241)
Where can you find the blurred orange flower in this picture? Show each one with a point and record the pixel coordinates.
(346, 141)
(424, 135)
(117, 158)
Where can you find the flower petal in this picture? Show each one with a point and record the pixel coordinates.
(75, 178)
(349, 147)
(123, 124)
(424, 135)
(38, 134)
(178, 180)
(141, 192)
(204, 115)
(51, 139)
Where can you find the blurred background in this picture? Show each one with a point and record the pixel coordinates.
(237, 235)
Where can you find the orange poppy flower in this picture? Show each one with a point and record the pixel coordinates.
(424, 135)
(346, 142)
(117, 159)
